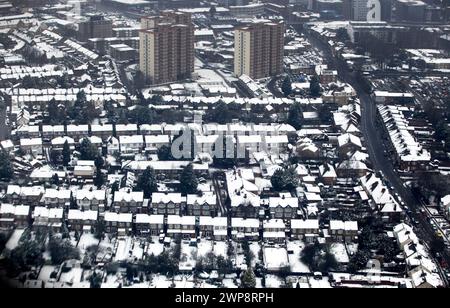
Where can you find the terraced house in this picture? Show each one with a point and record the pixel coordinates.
(202, 205)
(167, 203)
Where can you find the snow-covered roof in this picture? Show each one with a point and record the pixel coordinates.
(244, 223)
(282, 202)
(206, 198)
(83, 194)
(213, 221)
(274, 224)
(128, 196)
(407, 147)
(82, 215)
(305, 224)
(181, 220)
(343, 225)
(149, 219)
(57, 194)
(349, 139)
(166, 198)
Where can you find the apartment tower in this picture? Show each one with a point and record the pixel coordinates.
(259, 49)
(167, 47)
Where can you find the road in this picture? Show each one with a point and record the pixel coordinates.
(3, 125)
(376, 148)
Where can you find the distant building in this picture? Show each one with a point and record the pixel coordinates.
(259, 49)
(385, 32)
(122, 52)
(96, 27)
(167, 47)
(410, 10)
(357, 10)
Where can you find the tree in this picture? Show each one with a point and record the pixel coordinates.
(66, 154)
(248, 254)
(99, 162)
(99, 229)
(286, 86)
(295, 116)
(88, 151)
(165, 153)
(284, 179)
(139, 80)
(95, 281)
(213, 10)
(328, 263)
(99, 179)
(358, 261)
(26, 255)
(55, 179)
(141, 115)
(188, 180)
(62, 250)
(248, 279)
(314, 87)
(220, 114)
(437, 246)
(224, 266)
(6, 166)
(342, 35)
(83, 111)
(230, 250)
(52, 109)
(147, 182)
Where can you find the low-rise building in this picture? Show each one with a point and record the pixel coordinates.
(181, 226)
(94, 200)
(149, 224)
(120, 223)
(24, 195)
(245, 229)
(283, 207)
(14, 216)
(202, 205)
(32, 146)
(344, 230)
(48, 218)
(131, 144)
(307, 230)
(129, 202)
(274, 230)
(82, 220)
(57, 198)
(216, 227)
(167, 203)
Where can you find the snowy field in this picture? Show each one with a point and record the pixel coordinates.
(339, 252)
(87, 240)
(275, 257)
(188, 258)
(154, 247)
(297, 266)
(220, 249)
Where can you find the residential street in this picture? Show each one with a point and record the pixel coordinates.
(3, 127)
(375, 147)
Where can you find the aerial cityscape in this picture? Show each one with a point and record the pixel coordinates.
(228, 144)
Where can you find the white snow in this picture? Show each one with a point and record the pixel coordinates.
(340, 253)
(123, 249)
(297, 266)
(275, 257)
(13, 241)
